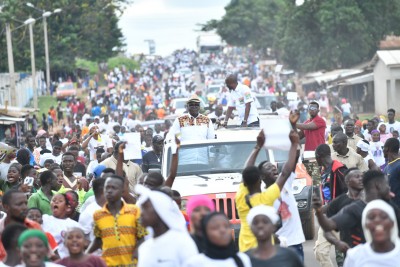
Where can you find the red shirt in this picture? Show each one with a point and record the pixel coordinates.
(315, 137)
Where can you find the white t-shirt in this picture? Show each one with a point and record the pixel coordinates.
(102, 140)
(204, 261)
(346, 108)
(46, 264)
(239, 98)
(363, 256)
(86, 219)
(58, 227)
(171, 249)
(92, 165)
(291, 229)
(392, 127)
(376, 150)
(4, 170)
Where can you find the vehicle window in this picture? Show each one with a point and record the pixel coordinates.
(68, 86)
(265, 101)
(214, 89)
(281, 155)
(214, 158)
(180, 104)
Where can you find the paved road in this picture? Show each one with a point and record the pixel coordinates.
(309, 259)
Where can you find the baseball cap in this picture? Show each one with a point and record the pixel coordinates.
(194, 98)
(157, 138)
(98, 171)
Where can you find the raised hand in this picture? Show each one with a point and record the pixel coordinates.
(294, 117)
(294, 137)
(261, 139)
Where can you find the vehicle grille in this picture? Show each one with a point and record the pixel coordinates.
(227, 206)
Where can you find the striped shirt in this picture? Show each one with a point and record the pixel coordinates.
(119, 234)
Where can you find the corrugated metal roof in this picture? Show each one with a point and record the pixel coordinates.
(389, 57)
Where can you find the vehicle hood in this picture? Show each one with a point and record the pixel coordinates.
(217, 183)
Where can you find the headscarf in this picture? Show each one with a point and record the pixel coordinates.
(363, 145)
(199, 200)
(268, 211)
(217, 252)
(374, 131)
(30, 233)
(385, 207)
(165, 207)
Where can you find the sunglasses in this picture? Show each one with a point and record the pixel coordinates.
(312, 108)
(194, 105)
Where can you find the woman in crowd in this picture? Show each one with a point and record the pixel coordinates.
(197, 207)
(75, 242)
(58, 223)
(34, 249)
(262, 220)
(219, 247)
(170, 241)
(381, 233)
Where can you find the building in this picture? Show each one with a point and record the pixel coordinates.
(386, 64)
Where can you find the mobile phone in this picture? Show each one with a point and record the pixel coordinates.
(29, 181)
(317, 191)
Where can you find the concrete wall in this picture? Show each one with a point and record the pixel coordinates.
(23, 88)
(387, 87)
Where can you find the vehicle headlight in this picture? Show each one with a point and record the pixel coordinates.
(298, 185)
(302, 204)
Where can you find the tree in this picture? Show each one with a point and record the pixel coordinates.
(320, 34)
(85, 29)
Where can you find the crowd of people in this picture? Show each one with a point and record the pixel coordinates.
(71, 198)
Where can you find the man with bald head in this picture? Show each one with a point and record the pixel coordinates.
(345, 155)
(241, 98)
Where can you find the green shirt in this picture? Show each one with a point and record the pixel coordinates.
(39, 200)
(5, 186)
(88, 194)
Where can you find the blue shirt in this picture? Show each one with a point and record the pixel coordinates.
(392, 171)
(96, 111)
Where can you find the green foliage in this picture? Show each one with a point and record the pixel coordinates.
(129, 64)
(84, 29)
(320, 34)
(92, 66)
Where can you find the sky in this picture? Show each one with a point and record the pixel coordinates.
(170, 23)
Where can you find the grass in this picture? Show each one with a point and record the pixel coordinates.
(44, 104)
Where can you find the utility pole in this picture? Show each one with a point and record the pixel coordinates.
(46, 51)
(34, 82)
(10, 56)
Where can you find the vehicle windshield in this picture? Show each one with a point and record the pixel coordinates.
(66, 86)
(265, 101)
(213, 89)
(214, 158)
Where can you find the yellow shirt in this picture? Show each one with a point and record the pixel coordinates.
(246, 238)
(119, 234)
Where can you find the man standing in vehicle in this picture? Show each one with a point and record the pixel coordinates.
(241, 98)
(193, 126)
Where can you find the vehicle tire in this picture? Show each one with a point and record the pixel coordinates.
(309, 226)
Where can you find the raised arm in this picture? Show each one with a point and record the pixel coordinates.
(251, 160)
(290, 164)
(174, 165)
(119, 170)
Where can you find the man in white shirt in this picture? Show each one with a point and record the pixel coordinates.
(96, 140)
(193, 126)
(241, 98)
(392, 125)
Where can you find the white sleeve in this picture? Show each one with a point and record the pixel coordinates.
(210, 130)
(86, 222)
(248, 97)
(230, 100)
(175, 128)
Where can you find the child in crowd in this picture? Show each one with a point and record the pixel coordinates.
(383, 134)
(36, 215)
(376, 148)
(58, 223)
(75, 243)
(13, 178)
